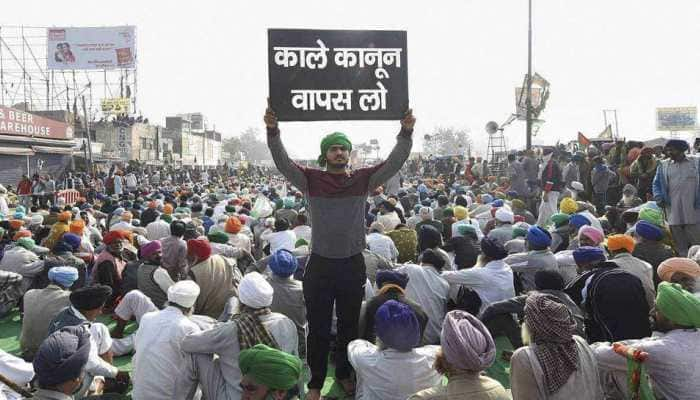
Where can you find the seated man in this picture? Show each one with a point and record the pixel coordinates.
(556, 363)
(672, 364)
(42, 305)
(288, 296)
(60, 363)
(213, 274)
(110, 264)
(220, 377)
(537, 258)
(395, 369)
(682, 271)
(268, 374)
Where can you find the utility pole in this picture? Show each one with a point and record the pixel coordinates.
(87, 133)
(528, 104)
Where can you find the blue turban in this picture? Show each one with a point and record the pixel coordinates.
(397, 326)
(493, 249)
(20, 209)
(579, 220)
(648, 230)
(18, 215)
(64, 275)
(486, 199)
(62, 356)
(588, 254)
(388, 276)
(538, 237)
(62, 247)
(72, 239)
(678, 143)
(283, 263)
(512, 193)
(497, 203)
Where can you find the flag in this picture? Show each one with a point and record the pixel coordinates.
(538, 80)
(607, 133)
(583, 140)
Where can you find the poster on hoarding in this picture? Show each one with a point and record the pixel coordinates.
(676, 118)
(317, 75)
(115, 106)
(91, 48)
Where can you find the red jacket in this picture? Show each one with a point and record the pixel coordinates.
(24, 187)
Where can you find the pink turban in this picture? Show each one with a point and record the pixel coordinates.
(150, 248)
(466, 343)
(592, 233)
(678, 264)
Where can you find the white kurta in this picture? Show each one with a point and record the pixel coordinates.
(427, 288)
(161, 368)
(493, 282)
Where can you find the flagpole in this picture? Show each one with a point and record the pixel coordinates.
(528, 104)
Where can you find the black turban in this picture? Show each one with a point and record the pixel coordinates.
(90, 297)
(493, 249)
(395, 277)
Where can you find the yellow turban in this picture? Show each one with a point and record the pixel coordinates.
(568, 206)
(461, 213)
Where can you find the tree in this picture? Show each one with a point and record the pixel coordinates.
(249, 142)
(447, 141)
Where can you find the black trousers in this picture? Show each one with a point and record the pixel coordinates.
(329, 281)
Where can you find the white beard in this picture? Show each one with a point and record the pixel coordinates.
(525, 334)
(627, 200)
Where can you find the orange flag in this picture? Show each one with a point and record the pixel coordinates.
(583, 139)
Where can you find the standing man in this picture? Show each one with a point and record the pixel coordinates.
(551, 184)
(335, 272)
(676, 189)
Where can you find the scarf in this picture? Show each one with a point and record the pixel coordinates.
(250, 330)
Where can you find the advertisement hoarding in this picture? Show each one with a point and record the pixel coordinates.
(91, 48)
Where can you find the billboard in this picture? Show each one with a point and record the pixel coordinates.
(317, 75)
(91, 48)
(21, 123)
(521, 100)
(115, 106)
(676, 118)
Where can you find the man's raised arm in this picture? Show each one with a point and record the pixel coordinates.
(399, 153)
(284, 164)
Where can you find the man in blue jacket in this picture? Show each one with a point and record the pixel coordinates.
(677, 191)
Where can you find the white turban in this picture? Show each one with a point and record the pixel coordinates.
(254, 291)
(577, 186)
(183, 293)
(504, 215)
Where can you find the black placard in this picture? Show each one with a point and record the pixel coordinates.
(318, 75)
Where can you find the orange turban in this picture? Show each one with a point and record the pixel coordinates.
(111, 236)
(233, 225)
(77, 227)
(678, 264)
(199, 247)
(617, 242)
(22, 233)
(16, 223)
(65, 216)
(168, 209)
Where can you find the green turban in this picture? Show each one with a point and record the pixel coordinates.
(166, 217)
(518, 204)
(279, 203)
(519, 232)
(183, 210)
(288, 202)
(218, 237)
(27, 243)
(334, 139)
(560, 219)
(270, 367)
(464, 229)
(301, 242)
(678, 305)
(652, 216)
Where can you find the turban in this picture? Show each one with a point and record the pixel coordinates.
(397, 326)
(288, 202)
(62, 356)
(183, 293)
(150, 248)
(22, 233)
(426, 212)
(254, 291)
(90, 297)
(65, 216)
(552, 326)
(431, 257)
(448, 212)
(538, 237)
(37, 219)
(679, 144)
(493, 249)
(486, 199)
(16, 223)
(62, 247)
(678, 305)
(218, 237)
(113, 236)
(333, 139)
(461, 213)
(519, 232)
(391, 277)
(465, 229)
(18, 215)
(127, 216)
(577, 186)
(77, 227)
(579, 220)
(64, 275)
(429, 237)
(560, 219)
(273, 368)
(592, 233)
(512, 193)
(588, 254)
(651, 215)
(376, 227)
(518, 204)
(466, 343)
(504, 215)
(497, 203)
(72, 239)
(233, 225)
(301, 242)
(568, 206)
(27, 243)
(199, 247)
(619, 242)
(168, 209)
(672, 265)
(283, 263)
(549, 280)
(166, 217)
(648, 231)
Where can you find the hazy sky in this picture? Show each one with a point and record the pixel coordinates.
(464, 60)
